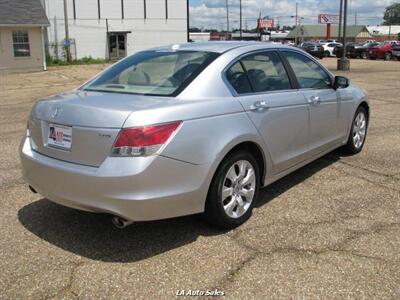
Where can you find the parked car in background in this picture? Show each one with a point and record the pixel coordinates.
(315, 49)
(338, 51)
(187, 129)
(354, 50)
(393, 42)
(360, 50)
(381, 51)
(326, 41)
(396, 51)
(329, 48)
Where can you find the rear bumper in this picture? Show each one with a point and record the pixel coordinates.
(138, 189)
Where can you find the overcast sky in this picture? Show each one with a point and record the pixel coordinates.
(212, 13)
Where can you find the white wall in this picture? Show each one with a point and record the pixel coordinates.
(90, 33)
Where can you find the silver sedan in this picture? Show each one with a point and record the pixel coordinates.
(189, 128)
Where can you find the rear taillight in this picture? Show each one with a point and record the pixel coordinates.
(143, 141)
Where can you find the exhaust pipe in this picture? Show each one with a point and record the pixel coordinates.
(120, 223)
(32, 189)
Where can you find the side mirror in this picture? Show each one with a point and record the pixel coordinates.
(341, 82)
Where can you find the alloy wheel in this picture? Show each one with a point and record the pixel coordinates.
(359, 130)
(238, 188)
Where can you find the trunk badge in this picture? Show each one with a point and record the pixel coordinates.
(56, 112)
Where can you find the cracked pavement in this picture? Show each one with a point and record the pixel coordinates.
(330, 230)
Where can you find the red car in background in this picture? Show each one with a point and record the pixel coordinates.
(381, 51)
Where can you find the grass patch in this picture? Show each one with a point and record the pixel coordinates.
(87, 60)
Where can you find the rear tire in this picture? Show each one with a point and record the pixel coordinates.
(358, 133)
(233, 191)
(327, 54)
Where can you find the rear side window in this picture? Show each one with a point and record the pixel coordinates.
(238, 79)
(309, 74)
(266, 72)
(258, 72)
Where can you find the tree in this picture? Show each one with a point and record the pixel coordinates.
(194, 29)
(392, 14)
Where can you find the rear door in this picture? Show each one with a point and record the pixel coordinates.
(316, 86)
(279, 112)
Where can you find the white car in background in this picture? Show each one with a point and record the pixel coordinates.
(329, 47)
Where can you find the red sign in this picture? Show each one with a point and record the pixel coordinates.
(262, 23)
(328, 19)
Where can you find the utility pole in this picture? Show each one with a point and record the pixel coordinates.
(344, 29)
(227, 20)
(297, 16)
(343, 62)
(67, 41)
(240, 13)
(340, 20)
(355, 18)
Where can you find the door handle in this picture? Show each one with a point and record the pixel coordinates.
(259, 105)
(314, 100)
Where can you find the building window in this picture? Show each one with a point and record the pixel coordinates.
(21, 44)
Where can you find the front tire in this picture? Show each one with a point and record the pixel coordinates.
(233, 191)
(388, 56)
(358, 132)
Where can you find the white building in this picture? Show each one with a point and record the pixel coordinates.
(115, 28)
(384, 30)
(199, 36)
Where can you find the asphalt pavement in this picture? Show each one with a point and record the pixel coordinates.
(331, 230)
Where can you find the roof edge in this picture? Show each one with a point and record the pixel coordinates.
(24, 25)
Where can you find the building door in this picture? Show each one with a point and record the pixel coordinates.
(116, 45)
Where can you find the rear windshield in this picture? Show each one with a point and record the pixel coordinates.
(160, 73)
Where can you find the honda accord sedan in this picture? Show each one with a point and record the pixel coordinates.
(189, 128)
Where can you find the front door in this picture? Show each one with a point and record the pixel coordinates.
(279, 112)
(316, 86)
(116, 45)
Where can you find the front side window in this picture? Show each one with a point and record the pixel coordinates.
(21, 43)
(309, 74)
(159, 73)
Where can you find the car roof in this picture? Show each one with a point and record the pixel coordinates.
(217, 46)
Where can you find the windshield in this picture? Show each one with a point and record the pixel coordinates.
(160, 73)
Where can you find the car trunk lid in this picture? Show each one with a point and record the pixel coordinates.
(81, 127)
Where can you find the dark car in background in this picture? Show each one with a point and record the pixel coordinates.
(314, 49)
(360, 50)
(354, 50)
(338, 51)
